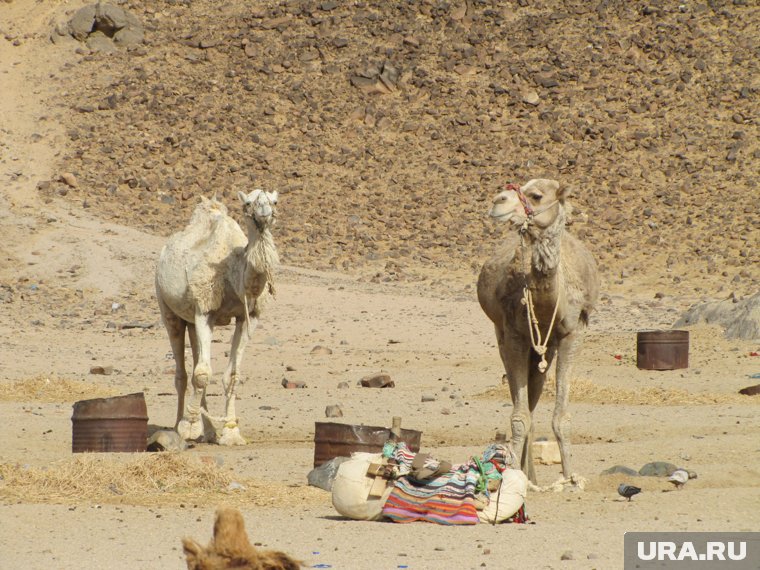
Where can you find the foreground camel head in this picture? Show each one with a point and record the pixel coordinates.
(230, 549)
(259, 207)
(542, 197)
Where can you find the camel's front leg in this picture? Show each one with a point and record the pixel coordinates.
(536, 380)
(191, 425)
(231, 430)
(516, 367)
(565, 351)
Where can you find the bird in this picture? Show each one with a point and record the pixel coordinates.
(628, 491)
(679, 477)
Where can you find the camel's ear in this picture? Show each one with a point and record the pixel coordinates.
(564, 192)
(243, 197)
(274, 196)
(193, 553)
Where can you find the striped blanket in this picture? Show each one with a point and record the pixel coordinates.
(451, 498)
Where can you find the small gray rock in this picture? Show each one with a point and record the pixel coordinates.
(621, 469)
(428, 398)
(82, 23)
(657, 469)
(333, 411)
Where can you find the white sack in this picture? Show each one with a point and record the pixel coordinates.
(514, 488)
(351, 487)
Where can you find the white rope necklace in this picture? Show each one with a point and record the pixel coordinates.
(538, 343)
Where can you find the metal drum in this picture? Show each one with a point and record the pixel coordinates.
(341, 440)
(662, 350)
(110, 424)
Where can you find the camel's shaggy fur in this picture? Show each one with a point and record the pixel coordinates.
(207, 274)
(558, 271)
(230, 548)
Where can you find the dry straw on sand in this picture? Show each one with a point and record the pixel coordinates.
(144, 479)
(51, 390)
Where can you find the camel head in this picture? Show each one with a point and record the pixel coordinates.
(259, 208)
(543, 200)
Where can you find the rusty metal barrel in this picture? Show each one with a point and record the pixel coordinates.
(332, 440)
(662, 350)
(118, 424)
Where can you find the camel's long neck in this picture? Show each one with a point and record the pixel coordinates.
(260, 256)
(545, 254)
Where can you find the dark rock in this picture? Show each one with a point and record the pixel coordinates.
(102, 370)
(290, 385)
(377, 381)
(750, 390)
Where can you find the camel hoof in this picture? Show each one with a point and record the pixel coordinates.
(190, 431)
(231, 436)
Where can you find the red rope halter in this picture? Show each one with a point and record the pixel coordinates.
(523, 200)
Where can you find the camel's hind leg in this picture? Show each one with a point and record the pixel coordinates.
(231, 431)
(175, 327)
(191, 425)
(194, 348)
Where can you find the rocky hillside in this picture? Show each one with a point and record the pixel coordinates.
(388, 127)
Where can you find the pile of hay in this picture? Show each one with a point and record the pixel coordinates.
(586, 391)
(144, 479)
(51, 390)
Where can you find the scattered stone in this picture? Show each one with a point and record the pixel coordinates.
(291, 385)
(567, 555)
(657, 469)
(377, 381)
(546, 452)
(333, 411)
(531, 98)
(428, 398)
(102, 25)
(69, 179)
(321, 351)
(102, 370)
(343, 385)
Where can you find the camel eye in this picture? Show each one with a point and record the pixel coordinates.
(535, 197)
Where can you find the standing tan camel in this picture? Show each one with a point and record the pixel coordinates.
(538, 290)
(207, 274)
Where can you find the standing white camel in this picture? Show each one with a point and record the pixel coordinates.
(538, 290)
(207, 274)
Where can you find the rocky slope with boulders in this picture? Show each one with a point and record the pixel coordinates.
(388, 127)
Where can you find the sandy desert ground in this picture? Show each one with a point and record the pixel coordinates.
(64, 267)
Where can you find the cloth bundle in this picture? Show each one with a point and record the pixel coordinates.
(490, 488)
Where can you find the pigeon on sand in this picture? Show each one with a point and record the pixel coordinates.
(679, 478)
(628, 491)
